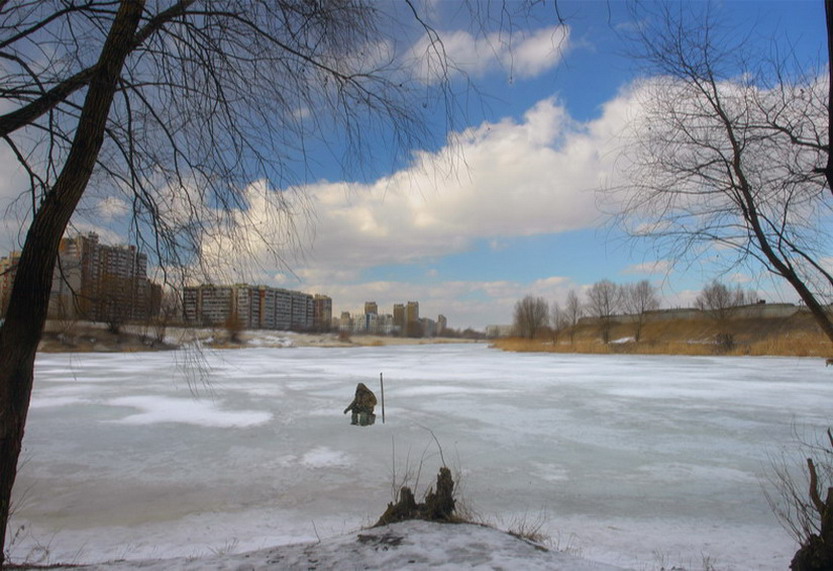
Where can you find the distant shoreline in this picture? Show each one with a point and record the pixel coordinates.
(87, 337)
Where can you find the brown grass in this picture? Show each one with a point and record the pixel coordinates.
(796, 336)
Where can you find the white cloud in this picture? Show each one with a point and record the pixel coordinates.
(523, 55)
(539, 52)
(112, 207)
(516, 178)
(512, 178)
(533, 175)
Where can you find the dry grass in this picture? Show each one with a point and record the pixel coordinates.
(796, 336)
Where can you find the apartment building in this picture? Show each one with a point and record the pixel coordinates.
(254, 307)
(102, 283)
(322, 312)
(94, 281)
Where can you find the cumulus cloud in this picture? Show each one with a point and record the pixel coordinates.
(521, 56)
(534, 175)
(516, 178)
(537, 175)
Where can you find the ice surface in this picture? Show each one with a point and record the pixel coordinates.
(635, 461)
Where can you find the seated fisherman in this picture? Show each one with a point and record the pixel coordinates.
(363, 403)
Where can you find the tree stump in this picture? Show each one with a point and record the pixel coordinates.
(438, 506)
(816, 553)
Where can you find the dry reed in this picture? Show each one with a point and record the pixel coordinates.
(797, 336)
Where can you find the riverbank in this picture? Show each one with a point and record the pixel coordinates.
(85, 337)
(795, 335)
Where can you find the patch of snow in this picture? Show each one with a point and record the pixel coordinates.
(324, 457)
(186, 411)
(270, 341)
(413, 545)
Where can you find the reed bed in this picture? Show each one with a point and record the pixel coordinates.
(793, 337)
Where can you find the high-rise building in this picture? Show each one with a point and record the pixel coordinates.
(399, 317)
(370, 307)
(322, 315)
(101, 283)
(442, 324)
(253, 307)
(93, 281)
(345, 322)
(428, 327)
(412, 311)
(413, 326)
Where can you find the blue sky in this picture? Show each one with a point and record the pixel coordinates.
(560, 241)
(506, 204)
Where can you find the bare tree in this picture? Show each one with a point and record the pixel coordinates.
(721, 303)
(531, 315)
(560, 320)
(637, 300)
(731, 151)
(603, 301)
(162, 313)
(573, 311)
(176, 107)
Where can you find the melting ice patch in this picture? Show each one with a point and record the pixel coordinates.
(324, 457)
(156, 409)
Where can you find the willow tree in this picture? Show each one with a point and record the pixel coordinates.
(174, 108)
(729, 152)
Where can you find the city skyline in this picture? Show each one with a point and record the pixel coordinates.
(502, 200)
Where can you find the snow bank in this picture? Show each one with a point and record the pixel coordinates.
(406, 545)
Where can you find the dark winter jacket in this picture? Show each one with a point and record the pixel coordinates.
(364, 401)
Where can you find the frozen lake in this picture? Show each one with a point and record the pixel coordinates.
(631, 460)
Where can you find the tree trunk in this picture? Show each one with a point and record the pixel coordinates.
(26, 315)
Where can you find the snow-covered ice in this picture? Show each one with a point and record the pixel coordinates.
(412, 545)
(634, 461)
